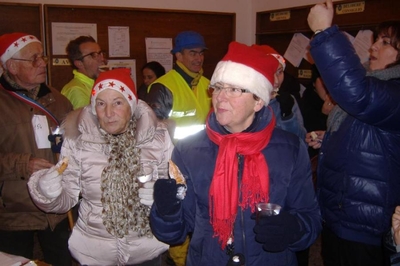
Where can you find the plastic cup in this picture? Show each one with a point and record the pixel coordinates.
(268, 209)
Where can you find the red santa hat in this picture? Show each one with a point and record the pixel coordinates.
(11, 43)
(269, 50)
(247, 68)
(118, 79)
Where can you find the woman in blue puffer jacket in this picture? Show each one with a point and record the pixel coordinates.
(359, 171)
(239, 160)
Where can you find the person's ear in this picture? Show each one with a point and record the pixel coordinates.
(179, 56)
(78, 64)
(12, 67)
(258, 105)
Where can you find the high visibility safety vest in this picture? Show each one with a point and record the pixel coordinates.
(189, 107)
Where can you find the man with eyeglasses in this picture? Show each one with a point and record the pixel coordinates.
(86, 58)
(181, 94)
(29, 109)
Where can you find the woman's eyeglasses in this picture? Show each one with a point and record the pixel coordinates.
(230, 91)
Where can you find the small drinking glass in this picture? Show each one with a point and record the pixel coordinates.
(268, 209)
(145, 174)
(148, 171)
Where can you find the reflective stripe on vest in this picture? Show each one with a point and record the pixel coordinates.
(189, 108)
(183, 132)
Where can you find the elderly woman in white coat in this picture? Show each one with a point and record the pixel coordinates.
(108, 146)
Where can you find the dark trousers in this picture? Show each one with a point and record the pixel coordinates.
(54, 244)
(340, 252)
(302, 257)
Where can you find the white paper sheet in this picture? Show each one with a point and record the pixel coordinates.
(62, 33)
(42, 131)
(297, 49)
(124, 63)
(118, 42)
(159, 49)
(12, 260)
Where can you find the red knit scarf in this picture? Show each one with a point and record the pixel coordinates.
(224, 190)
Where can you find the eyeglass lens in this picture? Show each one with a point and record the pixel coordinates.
(36, 61)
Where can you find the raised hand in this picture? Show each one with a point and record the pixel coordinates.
(321, 16)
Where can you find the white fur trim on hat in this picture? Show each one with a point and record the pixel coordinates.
(113, 84)
(242, 76)
(16, 46)
(280, 59)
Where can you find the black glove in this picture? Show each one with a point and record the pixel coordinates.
(165, 196)
(286, 103)
(277, 232)
(56, 142)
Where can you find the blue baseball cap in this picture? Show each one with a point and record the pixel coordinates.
(188, 40)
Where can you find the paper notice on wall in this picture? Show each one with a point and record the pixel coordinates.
(297, 49)
(159, 49)
(124, 63)
(62, 33)
(118, 42)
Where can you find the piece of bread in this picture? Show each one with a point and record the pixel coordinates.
(63, 165)
(175, 173)
(313, 135)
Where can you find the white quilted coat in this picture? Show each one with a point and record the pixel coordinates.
(87, 151)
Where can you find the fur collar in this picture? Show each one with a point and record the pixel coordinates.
(82, 121)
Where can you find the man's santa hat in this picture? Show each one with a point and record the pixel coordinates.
(11, 43)
(247, 68)
(119, 80)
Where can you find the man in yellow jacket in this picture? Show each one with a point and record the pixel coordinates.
(181, 94)
(181, 97)
(86, 58)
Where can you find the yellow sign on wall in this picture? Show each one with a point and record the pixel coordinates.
(281, 15)
(61, 62)
(304, 73)
(355, 7)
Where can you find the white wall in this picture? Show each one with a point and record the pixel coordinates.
(245, 9)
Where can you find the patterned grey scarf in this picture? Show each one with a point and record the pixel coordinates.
(122, 210)
(338, 115)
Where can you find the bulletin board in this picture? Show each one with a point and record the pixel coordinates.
(217, 28)
(278, 34)
(18, 17)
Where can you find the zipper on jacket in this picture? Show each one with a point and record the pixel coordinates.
(240, 174)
